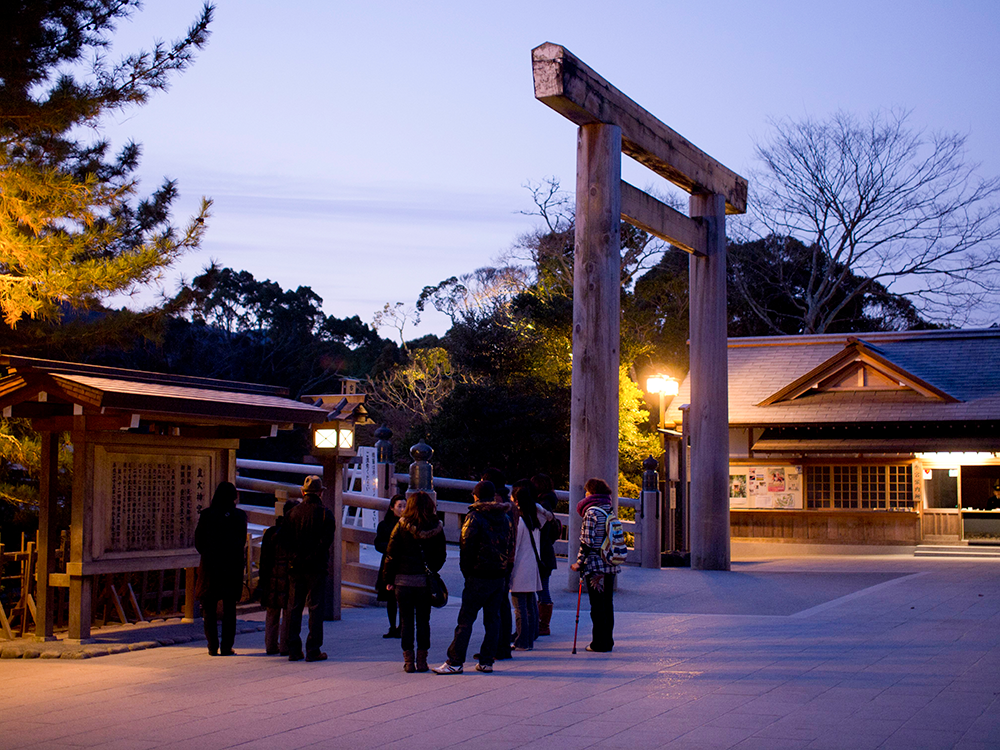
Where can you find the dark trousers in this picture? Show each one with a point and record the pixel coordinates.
(210, 614)
(276, 630)
(526, 617)
(390, 609)
(506, 623)
(306, 592)
(486, 594)
(602, 614)
(414, 611)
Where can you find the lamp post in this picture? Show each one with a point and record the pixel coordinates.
(663, 386)
(332, 444)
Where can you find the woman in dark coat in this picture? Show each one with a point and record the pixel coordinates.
(417, 543)
(221, 538)
(382, 534)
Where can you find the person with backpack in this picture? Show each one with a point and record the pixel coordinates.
(499, 481)
(525, 580)
(383, 585)
(599, 559)
(550, 534)
(416, 547)
(275, 556)
(486, 557)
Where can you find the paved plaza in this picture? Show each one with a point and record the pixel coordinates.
(779, 654)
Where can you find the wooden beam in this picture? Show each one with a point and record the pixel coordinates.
(651, 215)
(565, 83)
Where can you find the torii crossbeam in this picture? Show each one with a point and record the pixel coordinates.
(611, 124)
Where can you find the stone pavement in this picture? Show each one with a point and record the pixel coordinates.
(781, 653)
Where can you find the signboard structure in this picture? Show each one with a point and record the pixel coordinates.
(148, 452)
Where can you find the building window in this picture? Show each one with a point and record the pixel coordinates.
(860, 487)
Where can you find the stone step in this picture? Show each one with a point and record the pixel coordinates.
(957, 550)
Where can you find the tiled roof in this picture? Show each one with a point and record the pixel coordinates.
(963, 364)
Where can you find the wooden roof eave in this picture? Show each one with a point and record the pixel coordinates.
(853, 352)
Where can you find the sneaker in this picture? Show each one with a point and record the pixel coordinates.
(228, 652)
(598, 650)
(296, 657)
(393, 633)
(487, 668)
(447, 668)
(316, 656)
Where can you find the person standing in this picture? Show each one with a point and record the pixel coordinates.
(595, 509)
(417, 545)
(496, 477)
(486, 557)
(220, 538)
(311, 526)
(383, 585)
(275, 556)
(550, 534)
(525, 580)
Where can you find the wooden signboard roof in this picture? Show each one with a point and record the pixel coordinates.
(46, 389)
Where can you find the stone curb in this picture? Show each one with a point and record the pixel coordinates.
(92, 650)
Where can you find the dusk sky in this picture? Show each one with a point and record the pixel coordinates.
(370, 149)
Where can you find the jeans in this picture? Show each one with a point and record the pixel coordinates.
(526, 617)
(210, 614)
(544, 597)
(487, 594)
(414, 610)
(276, 630)
(306, 592)
(602, 613)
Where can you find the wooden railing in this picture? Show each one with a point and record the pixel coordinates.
(355, 573)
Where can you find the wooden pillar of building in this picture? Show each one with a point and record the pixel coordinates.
(81, 534)
(596, 313)
(709, 412)
(48, 537)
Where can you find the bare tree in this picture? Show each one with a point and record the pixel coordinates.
(877, 200)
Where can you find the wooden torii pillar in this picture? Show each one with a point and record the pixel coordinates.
(611, 124)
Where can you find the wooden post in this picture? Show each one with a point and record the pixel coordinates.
(189, 598)
(48, 537)
(333, 498)
(596, 318)
(709, 412)
(81, 535)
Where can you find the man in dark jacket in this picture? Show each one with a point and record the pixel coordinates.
(273, 582)
(486, 558)
(311, 527)
(221, 538)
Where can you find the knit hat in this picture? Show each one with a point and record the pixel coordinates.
(312, 484)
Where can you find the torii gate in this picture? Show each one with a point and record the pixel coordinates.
(610, 123)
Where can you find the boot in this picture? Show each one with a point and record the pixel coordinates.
(422, 660)
(408, 665)
(544, 617)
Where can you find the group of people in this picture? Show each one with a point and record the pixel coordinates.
(294, 560)
(506, 549)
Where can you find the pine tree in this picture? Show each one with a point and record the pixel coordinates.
(73, 227)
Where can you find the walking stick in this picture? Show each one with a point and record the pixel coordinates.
(579, 596)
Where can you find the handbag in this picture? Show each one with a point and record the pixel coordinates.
(435, 584)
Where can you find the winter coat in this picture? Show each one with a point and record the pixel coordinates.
(221, 537)
(409, 548)
(382, 533)
(275, 557)
(524, 577)
(487, 542)
(311, 526)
